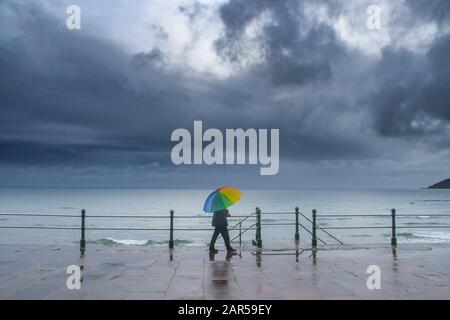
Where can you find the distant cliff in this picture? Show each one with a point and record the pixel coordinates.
(444, 184)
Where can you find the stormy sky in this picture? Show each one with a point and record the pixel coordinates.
(95, 107)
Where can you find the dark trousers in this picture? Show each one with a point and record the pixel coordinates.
(226, 237)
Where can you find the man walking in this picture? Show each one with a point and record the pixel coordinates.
(220, 224)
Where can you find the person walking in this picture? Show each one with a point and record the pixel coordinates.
(220, 224)
(217, 203)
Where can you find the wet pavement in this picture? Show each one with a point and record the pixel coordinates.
(122, 272)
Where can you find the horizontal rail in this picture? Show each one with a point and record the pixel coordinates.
(208, 217)
(381, 215)
(356, 227)
(384, 227)
(135, 216)
(209, 229)
(38, 215)
(79, 228)
(111, 216)
(126, 217)
(112, 229)
(152, 229)
(147, 229)
(279, 224)
(352, 215)
(161, 217)
(43, 227)
(280, 213)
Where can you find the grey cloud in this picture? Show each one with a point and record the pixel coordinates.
(192, 10)
(93, 101)
(153, 58)
(59, 83)
(295, 50)
(411, 96)
(70, 99)
(236, 15)
(435, 10)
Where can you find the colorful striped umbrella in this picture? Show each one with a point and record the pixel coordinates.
(221, 199)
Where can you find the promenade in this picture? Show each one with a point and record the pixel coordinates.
(123, 272)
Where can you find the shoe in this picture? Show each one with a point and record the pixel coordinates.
(231, 249)
(213, 251)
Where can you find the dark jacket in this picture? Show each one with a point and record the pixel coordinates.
(220, 218)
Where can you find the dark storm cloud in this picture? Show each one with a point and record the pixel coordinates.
(300, 56)
(71, 98)
(68, 97)
(408, 92)
(296, 51)
(413, 96)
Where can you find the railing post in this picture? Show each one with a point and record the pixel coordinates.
(297, 235)
(171, 229)
(394, 236)
(258, 228)
(83, 228)
(314, 226)
(240, 234)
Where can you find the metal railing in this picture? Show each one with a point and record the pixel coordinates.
(393, 226)
(83, 227)
(257, 225)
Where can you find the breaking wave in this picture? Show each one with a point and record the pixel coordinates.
(429, 237)
(414, 217)
(134, 242)
(426, 224)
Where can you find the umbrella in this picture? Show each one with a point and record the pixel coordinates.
(221, 199)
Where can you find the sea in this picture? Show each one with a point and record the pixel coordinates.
(421, 216)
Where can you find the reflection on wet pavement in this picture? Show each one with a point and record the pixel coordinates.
(408, 272)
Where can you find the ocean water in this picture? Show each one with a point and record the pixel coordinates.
(126, 202)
